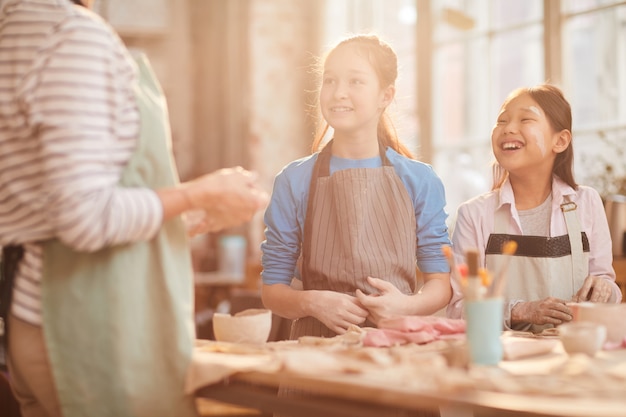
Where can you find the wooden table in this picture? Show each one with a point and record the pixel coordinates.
(334, 398)
(353, 395)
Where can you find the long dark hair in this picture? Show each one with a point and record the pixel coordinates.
(385, 63)
(559, 114)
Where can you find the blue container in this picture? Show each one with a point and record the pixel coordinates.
(484, 327)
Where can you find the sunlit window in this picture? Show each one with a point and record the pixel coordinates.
(483, 49)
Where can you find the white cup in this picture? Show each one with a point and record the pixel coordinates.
(231, 260)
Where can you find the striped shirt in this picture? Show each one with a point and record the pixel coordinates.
(69, 123)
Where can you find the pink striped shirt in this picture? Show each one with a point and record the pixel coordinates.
(68, 126)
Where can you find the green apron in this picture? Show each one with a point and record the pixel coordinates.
(118, 323)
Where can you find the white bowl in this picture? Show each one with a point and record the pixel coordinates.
(582, 337)
(249, 326)
(611, 316)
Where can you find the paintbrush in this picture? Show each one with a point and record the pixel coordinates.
(496, 288)
(474, 289)
(454, 271)
(485, 277)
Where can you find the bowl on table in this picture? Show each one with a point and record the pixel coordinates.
(251, 326)
(582, 337)
(611, 316)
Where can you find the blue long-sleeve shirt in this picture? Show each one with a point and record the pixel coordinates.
(285, 215)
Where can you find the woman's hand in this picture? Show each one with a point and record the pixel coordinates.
(595, 289)
(387, 303)
(224, 198)
(547, 311)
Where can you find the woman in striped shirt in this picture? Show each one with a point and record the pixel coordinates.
(88, 192)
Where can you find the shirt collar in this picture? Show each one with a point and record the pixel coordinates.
(505, 194)
(560, 189)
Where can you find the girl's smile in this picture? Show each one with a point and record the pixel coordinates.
(512, 145)
(341, 109)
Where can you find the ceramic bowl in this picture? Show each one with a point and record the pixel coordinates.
(582, 337)
(249, 326)
(611, 316)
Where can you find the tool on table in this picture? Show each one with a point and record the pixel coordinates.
(497, 287)
(475, 289)
(454, 270)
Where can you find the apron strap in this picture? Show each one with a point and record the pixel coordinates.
(383, 155)
(575, 238)
(320, 169)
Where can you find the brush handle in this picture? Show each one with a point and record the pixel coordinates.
(496, 289)
(474, 289)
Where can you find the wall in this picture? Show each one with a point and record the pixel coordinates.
(236, 77)
(160, 29)
(283, 40)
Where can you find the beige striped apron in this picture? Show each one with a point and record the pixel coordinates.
(360, 222)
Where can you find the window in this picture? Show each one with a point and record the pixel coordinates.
(483, 49)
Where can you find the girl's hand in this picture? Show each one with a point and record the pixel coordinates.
(547, 311)
(338, 311)
(387, 303)
(595, 289)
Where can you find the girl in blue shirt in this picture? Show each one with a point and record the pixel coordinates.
(353, 220)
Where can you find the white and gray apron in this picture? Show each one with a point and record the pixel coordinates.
(360, 222)
(118, 323)
(542, 266)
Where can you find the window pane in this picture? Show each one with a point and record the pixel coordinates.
(599, 159)
(465, 173)
(458, 18)
(517, 59)
(469, 90)
(594, 65)
(477, 80)
(507, 13)
(575, 6)
(449, 95)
